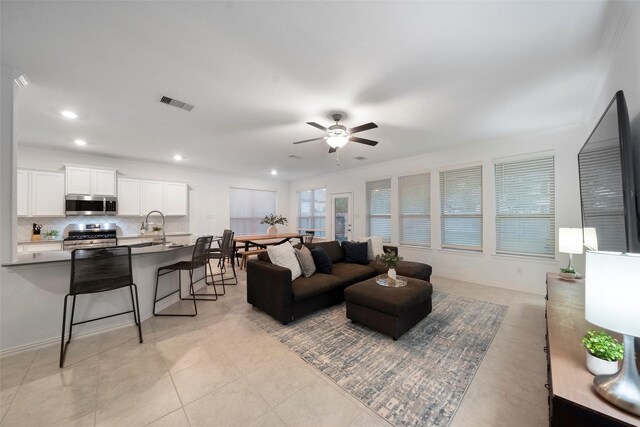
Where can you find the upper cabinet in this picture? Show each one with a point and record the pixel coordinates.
(40, 193)
(90, 182)
(139, 197)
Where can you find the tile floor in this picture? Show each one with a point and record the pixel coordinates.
(218, 369)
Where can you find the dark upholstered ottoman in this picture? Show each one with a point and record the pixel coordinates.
(392, 311)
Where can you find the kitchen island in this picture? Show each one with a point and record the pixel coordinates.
(33, 287)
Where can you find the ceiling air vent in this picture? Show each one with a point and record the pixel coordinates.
(176, 103)
(360, 158)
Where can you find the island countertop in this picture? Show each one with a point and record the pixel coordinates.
(60, 256)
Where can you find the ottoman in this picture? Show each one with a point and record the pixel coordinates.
(392, 311)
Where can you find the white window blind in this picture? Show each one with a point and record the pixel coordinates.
(312, 211)
(415, 209)
(248, 207)
(461, 208)
(525, 208)
(379, 209)
(602, 198)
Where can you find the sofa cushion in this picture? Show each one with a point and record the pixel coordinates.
(306, 261)
(352, 273)
(332, 248)
(417, 270)
(321, 260)
(284, 255)
(307, 287)
(375, 246)
(356, 253)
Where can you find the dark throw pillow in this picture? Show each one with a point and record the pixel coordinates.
(356, 253)
(321, 260)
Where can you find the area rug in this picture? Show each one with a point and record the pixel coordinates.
(418, 380)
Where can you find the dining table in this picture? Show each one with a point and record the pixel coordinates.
(263, 240)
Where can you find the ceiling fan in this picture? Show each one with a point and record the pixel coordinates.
(338, 135)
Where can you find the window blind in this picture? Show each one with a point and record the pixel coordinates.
(525, 207)
(312, 211)
(248, 207)
(415, 209)
(461, 208)
(379, 209)
(602, 198)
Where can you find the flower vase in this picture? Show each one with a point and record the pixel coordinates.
(391, 274)
(272, 230)
(601, 367)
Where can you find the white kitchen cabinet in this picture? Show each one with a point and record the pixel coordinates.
(103, 182)
(39, 247)
(152, 196)
(175, 199)
(90, 182)
(129, 197)
(23, 193)
(40, 193)
(47, 193)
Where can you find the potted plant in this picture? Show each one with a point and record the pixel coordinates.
(390, 260)
(603, 352)
(273, 220)
(52, 234)
(568, 273)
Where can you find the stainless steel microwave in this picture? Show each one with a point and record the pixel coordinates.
(90, 205)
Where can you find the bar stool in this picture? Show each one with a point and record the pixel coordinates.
(99, 270)
(199, 259)
(223, 253)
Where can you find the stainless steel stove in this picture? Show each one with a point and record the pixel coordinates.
(83, 236)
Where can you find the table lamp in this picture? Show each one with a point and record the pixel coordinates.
(612, 301)
(570, 242)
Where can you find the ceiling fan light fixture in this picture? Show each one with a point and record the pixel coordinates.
(337, 141)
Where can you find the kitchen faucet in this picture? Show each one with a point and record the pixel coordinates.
(146, 225)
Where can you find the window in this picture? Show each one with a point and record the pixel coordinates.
(312, 211)
(525, 212)
(248, 207)
(379, 209)
(461, 208)
(415, 209)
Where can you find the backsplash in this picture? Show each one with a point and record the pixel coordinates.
(126, 225)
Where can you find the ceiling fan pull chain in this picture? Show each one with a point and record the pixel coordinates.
(338, 157)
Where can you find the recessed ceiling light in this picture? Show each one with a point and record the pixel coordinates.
(177, 157)
(69, 114)
(80, 142)
(274, 172)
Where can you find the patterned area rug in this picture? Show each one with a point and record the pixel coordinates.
(418, 380)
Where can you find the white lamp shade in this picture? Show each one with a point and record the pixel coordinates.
(570, 240)
(337, 141)
(612, 291)
(591, 238)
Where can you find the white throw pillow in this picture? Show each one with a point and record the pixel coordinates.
(375, 246)
(284, 256)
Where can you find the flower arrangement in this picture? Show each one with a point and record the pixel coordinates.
(568, 270)
(272, 219)
(603, 346)
(389, 259)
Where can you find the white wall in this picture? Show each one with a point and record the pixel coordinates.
(487, 268)
(208, 191)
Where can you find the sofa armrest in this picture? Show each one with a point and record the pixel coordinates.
(269, 289)
(389, 247)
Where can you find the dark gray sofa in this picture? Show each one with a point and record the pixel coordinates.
(270, 288)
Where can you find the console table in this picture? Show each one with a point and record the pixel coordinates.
(572, 400)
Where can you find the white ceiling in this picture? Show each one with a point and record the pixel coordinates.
(430, 74)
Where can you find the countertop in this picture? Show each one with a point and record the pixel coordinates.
(124, 236)
(59, 256)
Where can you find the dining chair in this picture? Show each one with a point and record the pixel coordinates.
(199, 259)
(96, 270)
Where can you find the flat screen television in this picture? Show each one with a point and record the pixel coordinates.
(607, 182)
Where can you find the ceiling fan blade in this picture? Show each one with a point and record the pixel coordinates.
(360, 128)
(309, 140)
(363, 141)
(315, 125)
(332, 150)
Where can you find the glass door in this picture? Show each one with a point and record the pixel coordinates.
(341, 207)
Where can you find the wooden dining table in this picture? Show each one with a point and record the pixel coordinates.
(264, 240)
